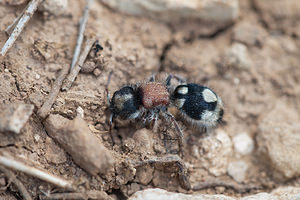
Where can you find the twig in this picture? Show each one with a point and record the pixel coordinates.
(12, 177)
(82, 25)
(76, 195)
(169, 159)
(26, 15)
(45, 109)
(65, 196)
(239, 188)
(16, 165)
(74, 72)
(11, 27)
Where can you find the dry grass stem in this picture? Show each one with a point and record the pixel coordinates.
(20, 24)
(45, 176)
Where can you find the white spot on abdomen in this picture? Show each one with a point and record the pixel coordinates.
(183, 90)
(209, 96)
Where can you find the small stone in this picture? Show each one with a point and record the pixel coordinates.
(159, 194)
(6, 70)
(23, 94)
(282, 193)
(243, 143)
(53, 67)
(54, 7)
(185, 16)
(237, 170)
(94, 107)
(75, 137)
(236, 81)
(69, 112)
(216, 150)
(2, 182)
(37, 76)
(237, 56)
(99, 127)
(125, 173)
(97, 72)
(170, 11)
(278, 140)
(144, 174)
(80, 111)
(88, 67)
(14, 116)
(132, 188)
(36, 137)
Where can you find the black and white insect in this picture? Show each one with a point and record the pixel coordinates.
(146, 101)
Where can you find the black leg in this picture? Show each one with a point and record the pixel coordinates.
(152, 78)
(111, 117)
(168, 115)
(168, 80)
(179, 78)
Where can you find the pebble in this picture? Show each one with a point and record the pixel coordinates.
(88, 67)
(243, 143)
(215, 152)
(144, 174)
(170, 11)
(69, 112)
(237, 170)
(237, 56)
(97, 72)
(75, 137)
(54, 7)
(286, 193)
(278, 140)
(37, 76)
(80, 111)
(36, 138)
(14, 116)
(2, 182)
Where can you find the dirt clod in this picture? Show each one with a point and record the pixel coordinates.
(14, 116)
(215, 151)
(278, 140)
(144, 174)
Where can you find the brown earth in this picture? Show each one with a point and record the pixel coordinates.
(134, 48)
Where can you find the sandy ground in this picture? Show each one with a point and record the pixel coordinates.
(134, 48)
